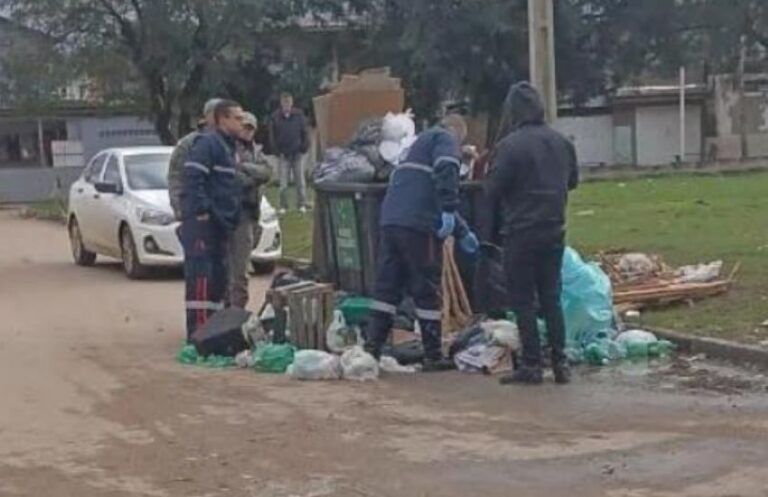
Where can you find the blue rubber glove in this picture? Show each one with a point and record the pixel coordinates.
(447, 225)
(470, 244)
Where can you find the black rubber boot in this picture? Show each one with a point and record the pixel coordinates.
(524, 376)
(562, 373)
(431, 337)
(438, 365)
(377, 333)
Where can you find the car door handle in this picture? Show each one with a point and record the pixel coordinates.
(80, 190)
(96, 196)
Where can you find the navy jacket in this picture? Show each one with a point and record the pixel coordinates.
(209, 182)
(533, 170)
(289, 136)
(425, 184)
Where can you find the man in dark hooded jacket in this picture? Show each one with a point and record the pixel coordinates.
(533, 169)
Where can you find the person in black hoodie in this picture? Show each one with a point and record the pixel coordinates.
(532, 171)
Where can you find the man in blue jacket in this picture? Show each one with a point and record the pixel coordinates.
(211, 203)
(418, 213)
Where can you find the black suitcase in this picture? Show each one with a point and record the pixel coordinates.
(222, 335)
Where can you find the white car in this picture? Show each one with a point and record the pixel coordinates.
(119, 207)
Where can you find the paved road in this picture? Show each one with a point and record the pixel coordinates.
(94, 405)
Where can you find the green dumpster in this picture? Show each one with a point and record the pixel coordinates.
(347, 232)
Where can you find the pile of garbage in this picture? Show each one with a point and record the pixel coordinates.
(641, 280)
(309, 332)
(375, 150)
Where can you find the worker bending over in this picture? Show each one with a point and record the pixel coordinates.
(418, 213)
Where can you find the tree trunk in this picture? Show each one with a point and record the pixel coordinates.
(187, 99)
(161, 108)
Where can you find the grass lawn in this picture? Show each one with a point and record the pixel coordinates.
(686, 219)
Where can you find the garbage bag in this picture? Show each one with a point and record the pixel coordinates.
(389, 364)
(490, 283)
(350, 167)
(336, 335)
(587, 301)
(188, 355)
(467, 338)
(604, 350)
(406, 353)
(358, 365)
(640, 344)
(273, 358)
(315, 365)
(502, 333)
(396, 127)
(368, 133)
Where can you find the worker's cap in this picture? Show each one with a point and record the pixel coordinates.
(250, 120)
(210, 106)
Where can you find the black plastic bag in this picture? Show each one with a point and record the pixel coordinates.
(490, 285)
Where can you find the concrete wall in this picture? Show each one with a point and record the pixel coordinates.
(727, 113)
(592, 136)
(98, 133)
(35, 184)
(657, 131)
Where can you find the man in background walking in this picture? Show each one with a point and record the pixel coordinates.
(252, 173)
(533, 169)
(289, 138)
(179, 156)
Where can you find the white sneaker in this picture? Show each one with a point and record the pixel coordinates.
(303, 210)
(282, 212)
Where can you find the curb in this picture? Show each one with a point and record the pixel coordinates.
(716, 348)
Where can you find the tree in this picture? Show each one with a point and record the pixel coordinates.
(170, 45)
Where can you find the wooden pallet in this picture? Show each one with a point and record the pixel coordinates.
(303, 312)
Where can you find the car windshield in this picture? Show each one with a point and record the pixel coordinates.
(148, 171)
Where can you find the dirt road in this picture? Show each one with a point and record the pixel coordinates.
(93, 404)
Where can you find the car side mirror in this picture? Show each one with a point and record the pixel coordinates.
(112, 188)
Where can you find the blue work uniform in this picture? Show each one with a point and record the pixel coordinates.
(424, 186)
(210, 191)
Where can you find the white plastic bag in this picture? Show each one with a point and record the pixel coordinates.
(502, 333)
(244, 359)
(336, 335)
(314, 365)
(358, 365)
(389, 364)
(397, 126)
(636, 337)
(701, 273)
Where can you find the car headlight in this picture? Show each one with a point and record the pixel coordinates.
(154, 217)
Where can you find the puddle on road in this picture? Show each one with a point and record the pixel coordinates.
(695, 375)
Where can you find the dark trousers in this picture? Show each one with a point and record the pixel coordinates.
(205, 270)
(533, 265)
(411, 262)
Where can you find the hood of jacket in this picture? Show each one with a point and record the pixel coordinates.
(523, 106)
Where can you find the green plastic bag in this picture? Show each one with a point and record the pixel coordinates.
(273, 358)
(188, 355)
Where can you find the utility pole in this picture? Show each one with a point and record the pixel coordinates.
(740, 81)
(541, 33)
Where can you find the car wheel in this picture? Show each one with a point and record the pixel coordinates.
(262, 268)
(131, 265)
(80, 254)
